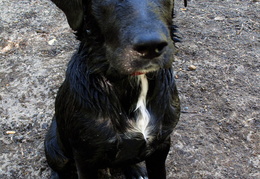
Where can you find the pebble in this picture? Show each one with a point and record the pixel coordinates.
(10, 132)
(7, 48)
(219, 18)
(192, 67)
(52, 41)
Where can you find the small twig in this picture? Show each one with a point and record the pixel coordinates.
(241, 29)
(192, 112)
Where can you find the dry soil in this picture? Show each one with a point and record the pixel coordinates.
(217, 71)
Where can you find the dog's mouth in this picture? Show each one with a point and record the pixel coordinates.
(149, 68)
(138, 73)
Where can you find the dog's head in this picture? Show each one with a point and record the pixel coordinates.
(137, 34)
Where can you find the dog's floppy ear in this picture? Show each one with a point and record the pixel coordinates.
(73, 10)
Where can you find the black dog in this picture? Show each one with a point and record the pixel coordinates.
(118, 104)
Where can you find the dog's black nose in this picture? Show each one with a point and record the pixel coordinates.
(150, 45)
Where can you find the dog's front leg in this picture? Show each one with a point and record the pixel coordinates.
(85, 172)
(135, 172)
(155, 163)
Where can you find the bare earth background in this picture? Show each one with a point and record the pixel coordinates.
(218, 134)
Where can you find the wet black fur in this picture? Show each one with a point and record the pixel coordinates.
(98, 98)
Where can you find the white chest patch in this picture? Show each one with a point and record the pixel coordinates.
(143, 116)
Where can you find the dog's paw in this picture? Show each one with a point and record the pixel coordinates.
(135, 172)
(143, 177)
(54, 175)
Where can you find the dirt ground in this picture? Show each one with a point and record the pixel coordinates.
(218, 134)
